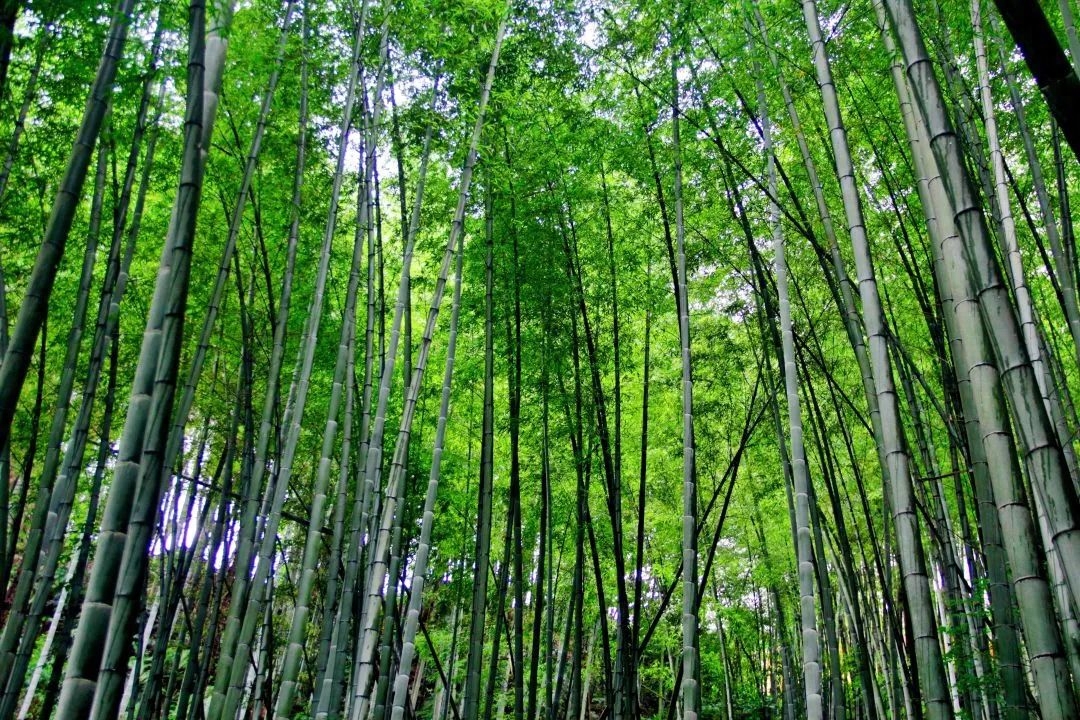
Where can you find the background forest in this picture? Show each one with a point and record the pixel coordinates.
(564, 359)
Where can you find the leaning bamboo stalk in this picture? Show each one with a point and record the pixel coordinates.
(87, 664)
(13, 665)
(956, 309)
(1014, 267)
(330, 690)
(337, 540)
(1061, 270)
(1011, 250)
(1005, 630)
(691, 697)
(105, 330)
(1031, 335)
(1042, 454)
(400, 465)
(55, 486)
(296, 640)
(852, 321)
(183, 410)
(145, 436)
(35, 304)
(249, 509)
(801, 480)
(984, 403)
(174, 446)
(419, 571)
(104, 343)
(395, 483)
(313, 542)
(228, 693)
(916, 583)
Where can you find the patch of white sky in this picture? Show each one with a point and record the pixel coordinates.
(591, 35)
(186, 517)
(830, 24)
(182, 511)
(407, 88)
(736, 303)
(27, 24)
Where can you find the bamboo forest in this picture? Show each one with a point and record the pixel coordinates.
(539, 360)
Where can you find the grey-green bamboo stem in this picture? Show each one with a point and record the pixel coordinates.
(92, 634)
(377, 573)
(916, 583)
(691, 699)
(419, 572)
(35, 303)
(804, 550)
(1042, 454)
(228, 693)
(246, 542)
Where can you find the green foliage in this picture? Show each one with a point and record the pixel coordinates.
(579, 135)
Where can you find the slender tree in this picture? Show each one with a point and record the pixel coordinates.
(803, 545)
(34, 308)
